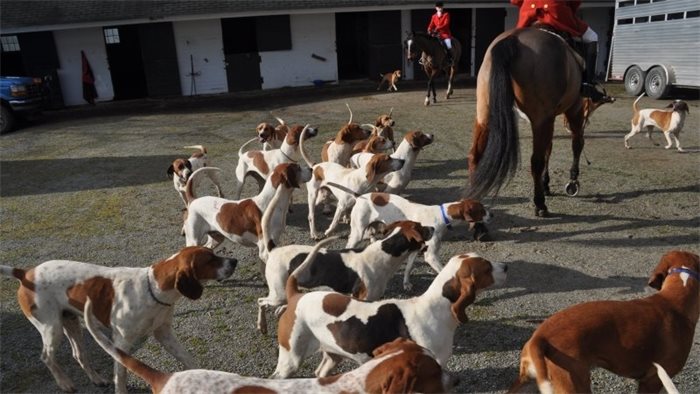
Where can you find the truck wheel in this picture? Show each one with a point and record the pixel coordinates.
(634, 81)
(656, 84)
(7, 120)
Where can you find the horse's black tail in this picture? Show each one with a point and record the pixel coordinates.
(499, 160)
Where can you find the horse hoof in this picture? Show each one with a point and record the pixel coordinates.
(541, 212)
(572, 188)
(427, 102)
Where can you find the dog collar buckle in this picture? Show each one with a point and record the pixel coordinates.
(683, 270)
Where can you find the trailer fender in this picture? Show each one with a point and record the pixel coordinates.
(668, 69)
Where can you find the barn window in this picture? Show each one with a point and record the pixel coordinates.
(641, 19)
(640, 2)
(10, 44)
(658, 18)
(627, 3)
(692, 14)
(111, 36)
(675, 16)
(626, 21)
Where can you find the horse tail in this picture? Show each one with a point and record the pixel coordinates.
(499, 160)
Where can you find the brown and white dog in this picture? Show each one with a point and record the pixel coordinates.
(271, 136)
(352, 180)
(383, 127)
(400, 366)
(391, 79)
(408, 150)
(669, 120)
(344, 327)
(376, 143)
(181, 169)
(211, 220)
(388, 208)
(134, 302)
(259, 164)
(340, 149)
(364, 273)
(624, 337)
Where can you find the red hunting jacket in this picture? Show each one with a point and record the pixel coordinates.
(441, 24)
(561, 15)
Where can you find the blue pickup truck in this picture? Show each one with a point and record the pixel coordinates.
(19, 96)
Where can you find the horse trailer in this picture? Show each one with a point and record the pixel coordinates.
(655, 45)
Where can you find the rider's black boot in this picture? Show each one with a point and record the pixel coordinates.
(450, 60)
(588, 87)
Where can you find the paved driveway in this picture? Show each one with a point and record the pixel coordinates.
(90, 184)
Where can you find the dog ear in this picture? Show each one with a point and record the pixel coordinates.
(399, 380)
(656, 280)
(187, 284)
(472, 211)
(461, 293)
(427, 232)
(171, 171)
(293, 174)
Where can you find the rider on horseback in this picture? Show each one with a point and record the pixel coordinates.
(561, 15)
(440, 26)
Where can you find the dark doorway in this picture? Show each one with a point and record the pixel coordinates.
(352, 37)
(368, 43)
(490, 22)
(241, 54)
(159, 56)
(461, 27)
(41, 60)
(125, 62)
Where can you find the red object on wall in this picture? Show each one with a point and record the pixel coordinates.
(89, 91)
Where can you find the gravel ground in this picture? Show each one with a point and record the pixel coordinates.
(89, 184)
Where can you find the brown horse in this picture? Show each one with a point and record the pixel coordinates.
(541, 74)
(433, 60)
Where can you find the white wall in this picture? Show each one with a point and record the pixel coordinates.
(310, 34)
(69, 43)
(203, 40)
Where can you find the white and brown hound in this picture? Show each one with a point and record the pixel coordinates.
(408, 150)
(340, 149)
(388, 208)
(376, 143)
(354, 180)
(259, 164)
(211, 220)
(134, 302)
(390, 79)
(271, 136)
(344, 327)
(669, 120)
(399, 366)
(640, 339)
(364, 273)
(181, 169)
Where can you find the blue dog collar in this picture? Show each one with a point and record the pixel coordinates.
(683, 270)
(444, 217)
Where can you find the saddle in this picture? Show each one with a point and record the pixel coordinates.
(574, 43)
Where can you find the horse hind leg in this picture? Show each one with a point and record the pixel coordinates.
(542, 139)
(576, 123)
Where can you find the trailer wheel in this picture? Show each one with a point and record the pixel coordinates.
(634, 80)
(656, 83)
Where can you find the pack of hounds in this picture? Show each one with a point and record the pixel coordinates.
(399, 345)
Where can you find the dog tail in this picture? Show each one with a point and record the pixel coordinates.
(292, 287)
(533, 366)
(302, 150)
(240, 150)
(345, 189)
(665, 379)
(196, 177)
(348, 105)
(635, 108)
(202, 149)
(156, 379)
(269, 243)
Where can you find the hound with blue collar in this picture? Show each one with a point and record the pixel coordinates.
(388, 208)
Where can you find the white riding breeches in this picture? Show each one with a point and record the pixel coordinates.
(448, 42)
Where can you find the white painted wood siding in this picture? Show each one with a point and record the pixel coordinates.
(202, 39)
